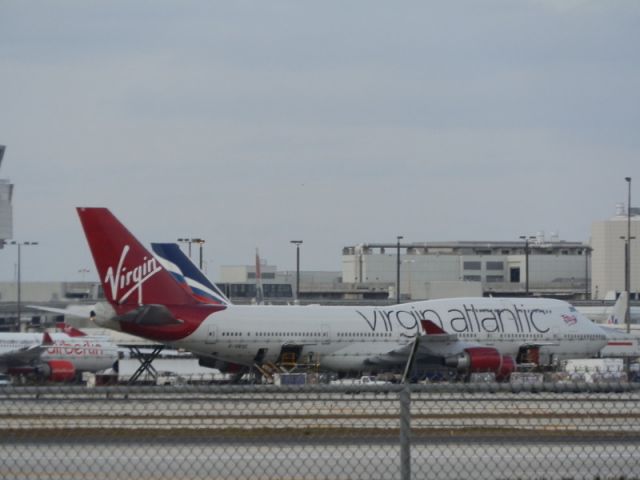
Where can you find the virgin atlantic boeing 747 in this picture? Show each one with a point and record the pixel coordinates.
(470, 334)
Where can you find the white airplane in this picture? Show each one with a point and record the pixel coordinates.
(603, 313)
(56, 357)
(620, 344)
(470, 334)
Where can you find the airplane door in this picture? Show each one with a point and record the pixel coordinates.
(326, 334)
(212, 334)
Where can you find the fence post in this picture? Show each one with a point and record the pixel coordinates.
(405, 433)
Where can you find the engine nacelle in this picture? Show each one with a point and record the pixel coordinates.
(507, 367)
(483, 359)
(58, 371)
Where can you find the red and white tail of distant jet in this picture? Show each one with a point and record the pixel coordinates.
(470, 334)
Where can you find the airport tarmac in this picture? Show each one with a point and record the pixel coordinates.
(331, 412)
(316, 433)
(326, 417)
(175, 460)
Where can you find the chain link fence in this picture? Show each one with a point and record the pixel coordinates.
(504, 431)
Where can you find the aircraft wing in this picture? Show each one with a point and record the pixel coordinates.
(613, 333)
(78, 311)
(432, 342)
(25, 354)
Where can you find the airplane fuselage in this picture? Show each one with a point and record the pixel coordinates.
(348, 338)
(90, 354)
(470, 334)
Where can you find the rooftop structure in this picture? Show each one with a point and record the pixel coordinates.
(6, 208)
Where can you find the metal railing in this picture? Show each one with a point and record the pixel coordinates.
(563, 430)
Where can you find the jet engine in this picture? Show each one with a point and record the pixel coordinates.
(483, 359)
(58, 371)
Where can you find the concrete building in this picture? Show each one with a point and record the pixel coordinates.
(239, 283)
(51, 294)
(547, 267)
(62, 292)
(608, 266)
(6, 208)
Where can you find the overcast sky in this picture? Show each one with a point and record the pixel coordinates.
(252, 123)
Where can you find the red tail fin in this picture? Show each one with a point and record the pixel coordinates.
(69, 330)
(46, 339)
(130, 275)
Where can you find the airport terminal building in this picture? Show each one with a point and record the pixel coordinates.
(540, 266)
(536, 265)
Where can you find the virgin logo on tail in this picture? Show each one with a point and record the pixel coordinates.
(124, 282)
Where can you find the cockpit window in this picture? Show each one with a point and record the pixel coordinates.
(572, 309)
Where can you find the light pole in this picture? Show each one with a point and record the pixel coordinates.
(200, 243)
(410, 276)
(83, 271)
(297, 243)
(587, 290)
(187, 241)
(526, 261)
(627, 266)
(19, 245)
(398, 238)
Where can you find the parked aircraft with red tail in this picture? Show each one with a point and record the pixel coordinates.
(469, 334)
(57, 357)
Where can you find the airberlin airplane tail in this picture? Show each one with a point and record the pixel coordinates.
(130, 275)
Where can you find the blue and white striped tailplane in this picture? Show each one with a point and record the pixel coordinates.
(187, 274)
